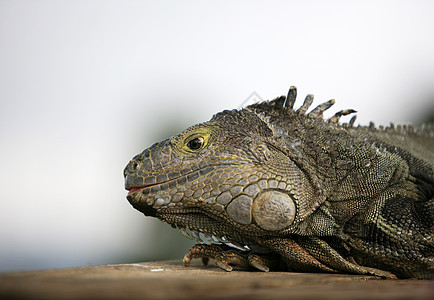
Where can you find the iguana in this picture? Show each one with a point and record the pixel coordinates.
(273, 187)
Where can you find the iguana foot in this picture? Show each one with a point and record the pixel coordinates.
(380, 273)
(224, 258)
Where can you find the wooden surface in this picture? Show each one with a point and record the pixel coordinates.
(171, 280)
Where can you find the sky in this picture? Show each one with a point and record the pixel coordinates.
(86, 85)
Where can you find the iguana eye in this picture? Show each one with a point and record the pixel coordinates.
(196, 143)
(193, 141)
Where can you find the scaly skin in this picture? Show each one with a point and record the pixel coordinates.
(292, 191)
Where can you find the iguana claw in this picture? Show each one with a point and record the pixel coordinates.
(225, 258)
(258, 262)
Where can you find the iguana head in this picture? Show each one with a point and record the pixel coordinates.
(231, 179)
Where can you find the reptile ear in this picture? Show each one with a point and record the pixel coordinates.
(273, 210)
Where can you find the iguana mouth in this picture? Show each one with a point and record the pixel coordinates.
(196, 172)
(132, 190)
(138, 188)
(135, 189)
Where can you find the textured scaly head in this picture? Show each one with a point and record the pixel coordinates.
(231, 179)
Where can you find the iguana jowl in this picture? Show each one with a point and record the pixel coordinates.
(290, 190)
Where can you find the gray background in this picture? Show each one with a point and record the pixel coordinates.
(85, 85)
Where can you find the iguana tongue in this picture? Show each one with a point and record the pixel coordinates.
(133, 190)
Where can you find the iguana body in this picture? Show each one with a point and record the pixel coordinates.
(293, 191)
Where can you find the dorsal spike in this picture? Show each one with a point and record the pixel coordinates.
(318, 111)
(410, 128)
(335, 118)
(278, 102)
(352, 120)
(290, 98)
(306, 104)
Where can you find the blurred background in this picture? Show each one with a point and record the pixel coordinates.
(86, 85)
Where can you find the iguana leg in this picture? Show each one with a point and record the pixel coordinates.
(224, 258)
(296, 257)
(330, 257)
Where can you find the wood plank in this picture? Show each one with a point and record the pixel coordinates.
(171, 280)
